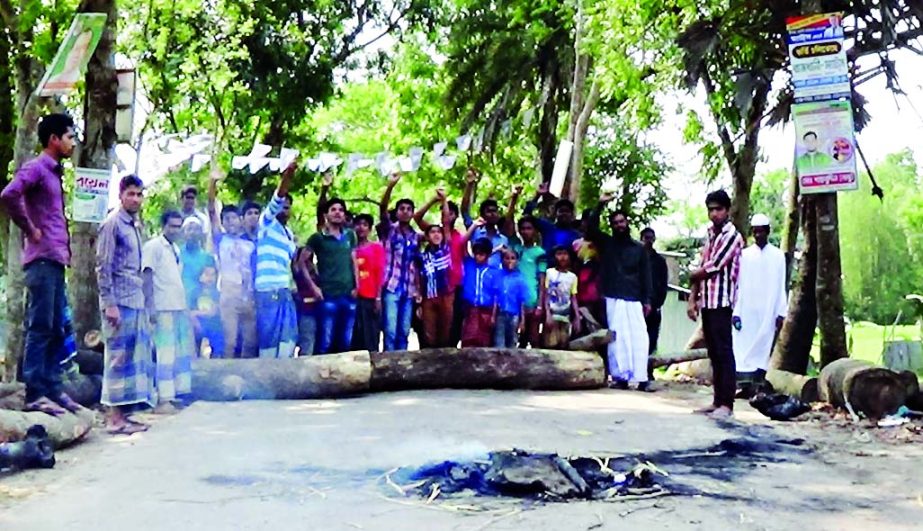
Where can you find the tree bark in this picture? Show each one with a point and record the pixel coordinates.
(329, 376)
(829, 281)
(548, 124)
(592, 342)
(63, 430)
(873, 391)
(665, 360)
(793, 347)
(487, 368)
(799, 386)
(97, 152)
(743, 167)
(792, 221)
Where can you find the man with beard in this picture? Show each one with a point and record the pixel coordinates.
(626, 285)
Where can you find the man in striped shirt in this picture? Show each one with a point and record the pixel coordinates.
(714, 291)
(277, 321)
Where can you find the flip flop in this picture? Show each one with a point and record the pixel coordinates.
(45, 405)
(128, 428)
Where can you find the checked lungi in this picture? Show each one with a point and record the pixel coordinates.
(174, 348)
(128, 374)
(276, 323)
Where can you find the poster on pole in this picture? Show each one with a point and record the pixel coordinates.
(817, 53)
(561, 165)
(825, 147)
(91, 195)
(72, 56)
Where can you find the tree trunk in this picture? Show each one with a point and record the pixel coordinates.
(593, 341)
(63, 430)
(487, 368)
(799, 386)
(743, 167)
(97, 152)
(7, 135)
(548, 124)
(665, 360)
(328, 376)
(793, 347)
(829, 281)
(873, 391)
(792, 221)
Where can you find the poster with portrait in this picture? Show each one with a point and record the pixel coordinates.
(825, 147)
(70, 62)
(817, 51)
(91, 195)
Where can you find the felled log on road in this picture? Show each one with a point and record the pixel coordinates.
(804, 388)
(330, 376)
(592, 342)
(63, 430)
(487, 368)
(874, 391)
(679, 357)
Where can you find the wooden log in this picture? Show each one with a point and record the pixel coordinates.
(873, 391)
(663, 360)
(63, 430)
(592, 342)
(487, 368)
(329, 376)
(802, 387)
(12, 395)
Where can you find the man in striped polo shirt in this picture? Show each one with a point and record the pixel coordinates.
(277, 321)
(714, 291)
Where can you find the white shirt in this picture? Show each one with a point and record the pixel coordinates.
(162, 258)
(761, 298)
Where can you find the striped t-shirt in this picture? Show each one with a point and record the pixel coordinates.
(721, 259)
(274, 250)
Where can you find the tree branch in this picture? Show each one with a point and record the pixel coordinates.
(727, 144)
(9, 15)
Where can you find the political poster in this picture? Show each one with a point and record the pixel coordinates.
(818, 57)
(91, 195)
(825, 147)
(72, 56)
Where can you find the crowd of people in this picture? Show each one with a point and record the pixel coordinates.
(238, 282)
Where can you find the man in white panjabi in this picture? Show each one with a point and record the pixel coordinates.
(761, 305)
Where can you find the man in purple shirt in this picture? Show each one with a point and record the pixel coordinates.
(35, 203)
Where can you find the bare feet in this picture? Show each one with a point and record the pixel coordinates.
(722, 413)
(64, 400)
(118, 424)
(707, 410)
(45, 405)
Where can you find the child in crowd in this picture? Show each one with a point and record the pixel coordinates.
(480, 289)
(561, 306)
(532, 263)
(205, 312)
(589, 294)
(306, 296)
(436, 288)
(370, 265)
(514, 294)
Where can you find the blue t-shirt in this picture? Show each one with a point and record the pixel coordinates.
(497, 240)
(514, 291)
(553, 236)
(481, 285)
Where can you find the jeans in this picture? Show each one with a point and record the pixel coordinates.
(335, 324)
(41, 371)
(506, 333)
(397, 309)
(717, 327)
(307, 332)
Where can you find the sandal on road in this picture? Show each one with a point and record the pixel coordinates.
(45, 405)
(128, 428)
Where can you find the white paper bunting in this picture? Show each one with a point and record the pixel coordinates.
(463, 142)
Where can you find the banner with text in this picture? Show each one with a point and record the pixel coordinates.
(825, 150)
(91, 195)
(818, 57)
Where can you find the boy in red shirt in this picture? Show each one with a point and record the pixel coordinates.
(370, 264)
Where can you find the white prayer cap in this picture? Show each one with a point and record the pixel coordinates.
(759, 220)
(193, 220)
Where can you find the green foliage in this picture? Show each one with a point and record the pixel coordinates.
(881, 242)
(767, 197)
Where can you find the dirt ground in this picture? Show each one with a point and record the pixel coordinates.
(323, 464)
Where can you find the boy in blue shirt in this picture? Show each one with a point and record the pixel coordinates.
(514, 293)
(480, 290)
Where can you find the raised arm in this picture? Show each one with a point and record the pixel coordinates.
(421, 212)
(274, 206)
(594, 233)
(322, 199)
(213, 177)
(446, 213)
(509, 222)
(386, 197)
(471, 178)
(540, 193)
(475, 225)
